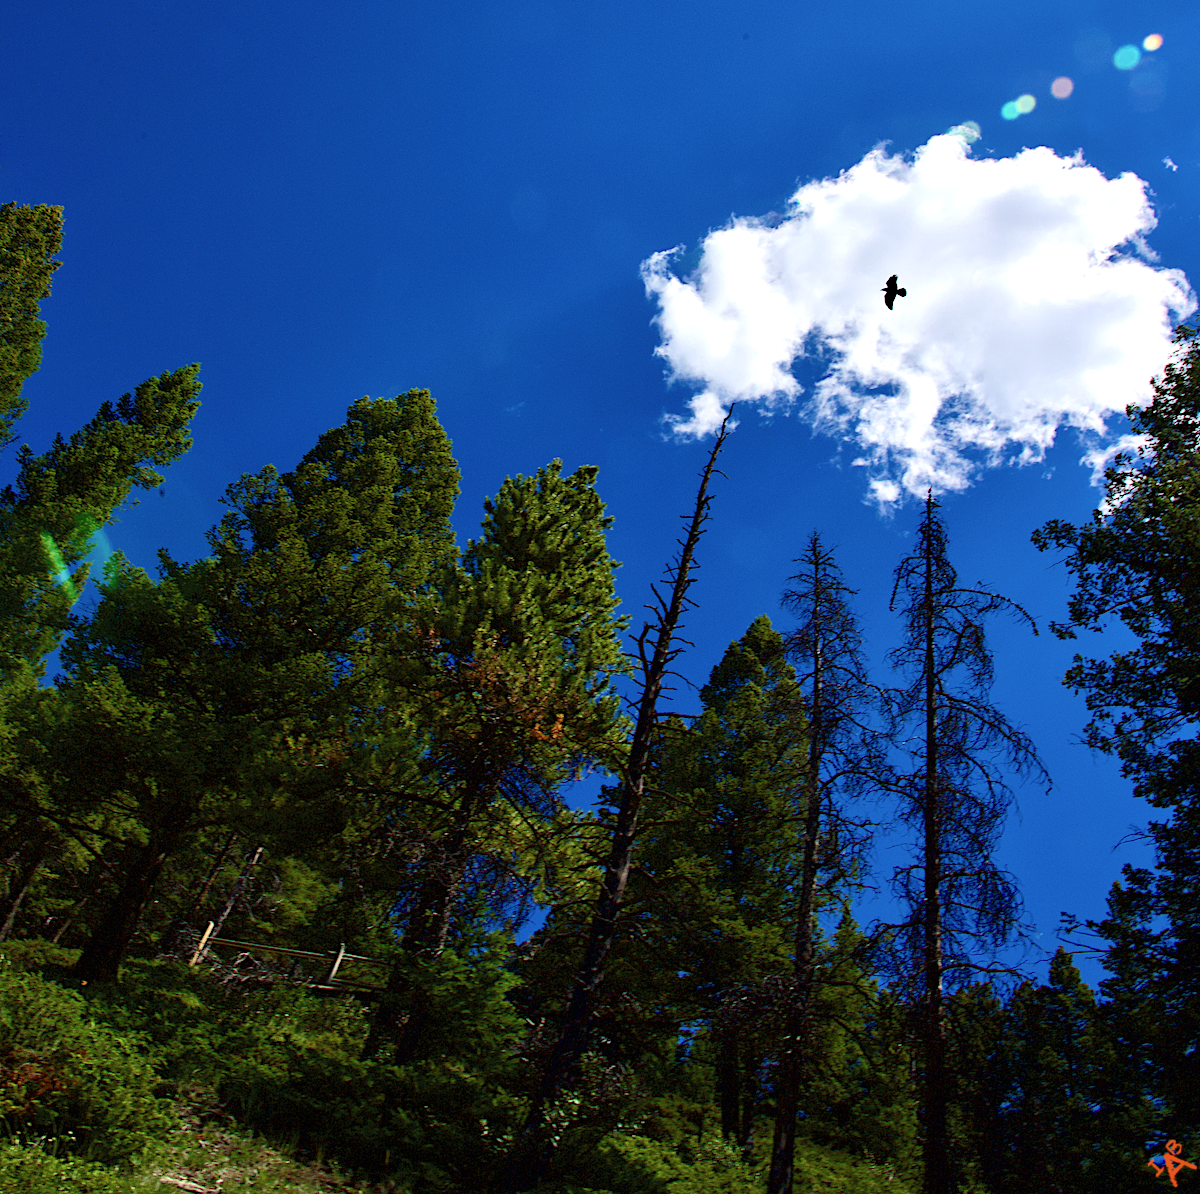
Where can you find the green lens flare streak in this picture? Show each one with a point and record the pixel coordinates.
(59, 568)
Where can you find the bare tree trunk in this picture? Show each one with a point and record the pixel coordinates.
(181, 919)
(12, 905)
(798, 1027)
(737, 1088)
(936, 1145)
(787, 1104)
(955, 800)
(824, 598)
(531, 1156)
(70, 920)
(236, 892)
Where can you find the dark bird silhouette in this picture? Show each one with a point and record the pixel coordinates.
(891, 290)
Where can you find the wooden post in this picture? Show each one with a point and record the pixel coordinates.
(200, 947)
(336, 963)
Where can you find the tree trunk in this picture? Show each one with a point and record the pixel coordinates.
(170, 939)
(749, 1099)
(426, 943)
(70, 920)
(798, 1024)
(12, 905)
(238, 887)
(787, 1103)
(101, 956)
(424, 937)
(531, 1156)
(729, 1085)
(561, 1070)
(796, 1043)
(935, 1148)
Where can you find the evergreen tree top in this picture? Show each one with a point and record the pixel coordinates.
(29, 239)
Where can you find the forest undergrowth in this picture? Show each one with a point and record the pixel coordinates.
(176, 1082)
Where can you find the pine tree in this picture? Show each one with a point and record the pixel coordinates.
(29, 239)
(722, 850)
(955, 798)
(845, 755)
(509, 671)
(60, 499)
(1056, 1054)
(1136, 563)
(856, 1095)
(47, 518)
(264, 658)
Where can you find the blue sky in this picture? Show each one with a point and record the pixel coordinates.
(319, 204)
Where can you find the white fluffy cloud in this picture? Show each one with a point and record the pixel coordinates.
(1032, 304)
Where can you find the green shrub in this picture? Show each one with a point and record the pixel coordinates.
(27, 1169)
(631, 1164)
(68, 1079)
(32, 953)
(437, 1123)
(286, 1062)
(825, 1171)
(181, 1016)
(625, 1163)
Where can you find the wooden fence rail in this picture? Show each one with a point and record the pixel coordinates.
(336, 958)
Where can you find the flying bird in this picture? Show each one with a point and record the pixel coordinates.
(891, 290)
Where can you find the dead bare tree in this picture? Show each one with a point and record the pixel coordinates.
(533, 1152)
(847, 755)
(955, 798)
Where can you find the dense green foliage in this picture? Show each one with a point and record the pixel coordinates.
(343, 742)
(29, 239)
(33, 1170)
(68, 1079)
(1136, 564)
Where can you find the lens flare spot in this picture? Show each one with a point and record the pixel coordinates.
(1062, 87)
(1153, 42)
(1010, 111)
(1127, 57)
(969, 131)
(1025, 104)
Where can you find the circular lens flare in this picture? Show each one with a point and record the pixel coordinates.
(1153, 42)
(1062, 87)
(1026, 104)
(1127, 57)
(1010, 111)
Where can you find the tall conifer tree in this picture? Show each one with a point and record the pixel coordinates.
(262, 660)
(1136, 563)
(47, 519)
(955, 798)
(30, 237)
(845, 755)
(509, 670)
(722, 852)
